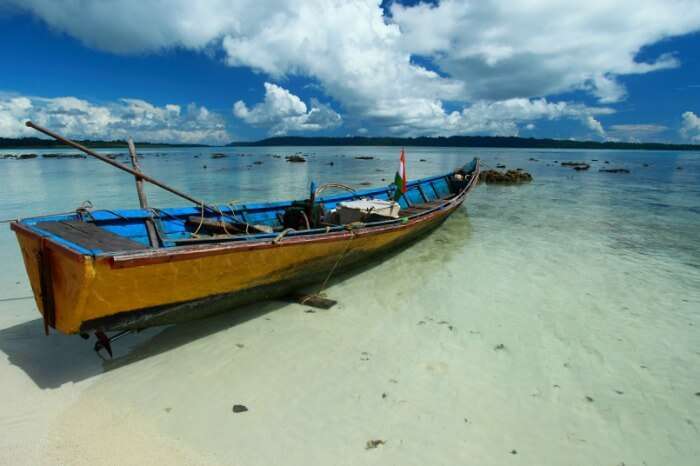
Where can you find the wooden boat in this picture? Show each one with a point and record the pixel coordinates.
(95, 270)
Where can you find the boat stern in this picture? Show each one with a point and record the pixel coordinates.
(59, 278)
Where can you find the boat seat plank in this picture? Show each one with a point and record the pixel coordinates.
(90, 236)
(418, 208)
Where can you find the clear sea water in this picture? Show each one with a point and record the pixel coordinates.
(590, 282)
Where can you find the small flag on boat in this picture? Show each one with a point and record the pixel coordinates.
(400, 178)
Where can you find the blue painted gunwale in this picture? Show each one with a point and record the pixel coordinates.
(130, 223)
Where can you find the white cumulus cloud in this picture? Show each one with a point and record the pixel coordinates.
(501, 118)
(475, 53)
(282, 112)
(139, 119)
(594, 125)
(636, 132)
(523, 48)
(690, 128)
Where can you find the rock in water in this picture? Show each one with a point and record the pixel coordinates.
(508, 177)
(295, 158)
(614, 170)
(578, 166)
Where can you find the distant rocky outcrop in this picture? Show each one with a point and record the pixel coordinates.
(614, 170)
(295, 158)
(578, 166)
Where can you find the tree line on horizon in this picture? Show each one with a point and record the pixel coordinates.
(463, 141)
(422, 141)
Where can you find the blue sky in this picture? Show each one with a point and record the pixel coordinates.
(215, 71)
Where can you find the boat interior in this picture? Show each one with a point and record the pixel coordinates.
(99, 232)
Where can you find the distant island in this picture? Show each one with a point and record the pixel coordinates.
(463, 141)
(451, 141)
(23, 143)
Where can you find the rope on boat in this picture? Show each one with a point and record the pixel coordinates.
(201, 222)
(351, 229)
(306, 219)
(84, 207)
(279, 237)
(230, 205)
(325, 186)
(223, 224)
(221, 219)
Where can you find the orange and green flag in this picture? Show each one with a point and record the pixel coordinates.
(400, 178)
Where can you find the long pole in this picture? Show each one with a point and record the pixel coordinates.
(143, 202)
(121, 166)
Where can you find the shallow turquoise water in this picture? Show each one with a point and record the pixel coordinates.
(591, 281)
(653, 211)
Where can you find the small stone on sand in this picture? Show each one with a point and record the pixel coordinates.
(239, 409)
(371, 444)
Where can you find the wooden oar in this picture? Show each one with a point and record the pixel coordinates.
(143, 202)
(123, 167)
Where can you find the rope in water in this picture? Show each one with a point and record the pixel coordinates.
(19, 298)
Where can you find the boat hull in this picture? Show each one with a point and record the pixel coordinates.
(141, 290)
(284, 283)
(80, 291)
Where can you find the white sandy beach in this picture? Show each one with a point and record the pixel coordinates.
(314, 383)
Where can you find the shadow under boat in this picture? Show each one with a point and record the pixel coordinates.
(51, 362)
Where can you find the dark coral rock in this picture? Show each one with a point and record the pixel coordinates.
(508, 177)
(614, 170)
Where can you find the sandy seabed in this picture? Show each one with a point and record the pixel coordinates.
(534, 333)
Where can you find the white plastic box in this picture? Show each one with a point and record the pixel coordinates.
(356, 211)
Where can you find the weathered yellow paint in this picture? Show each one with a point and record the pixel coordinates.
(30, 245)
(86, 289)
